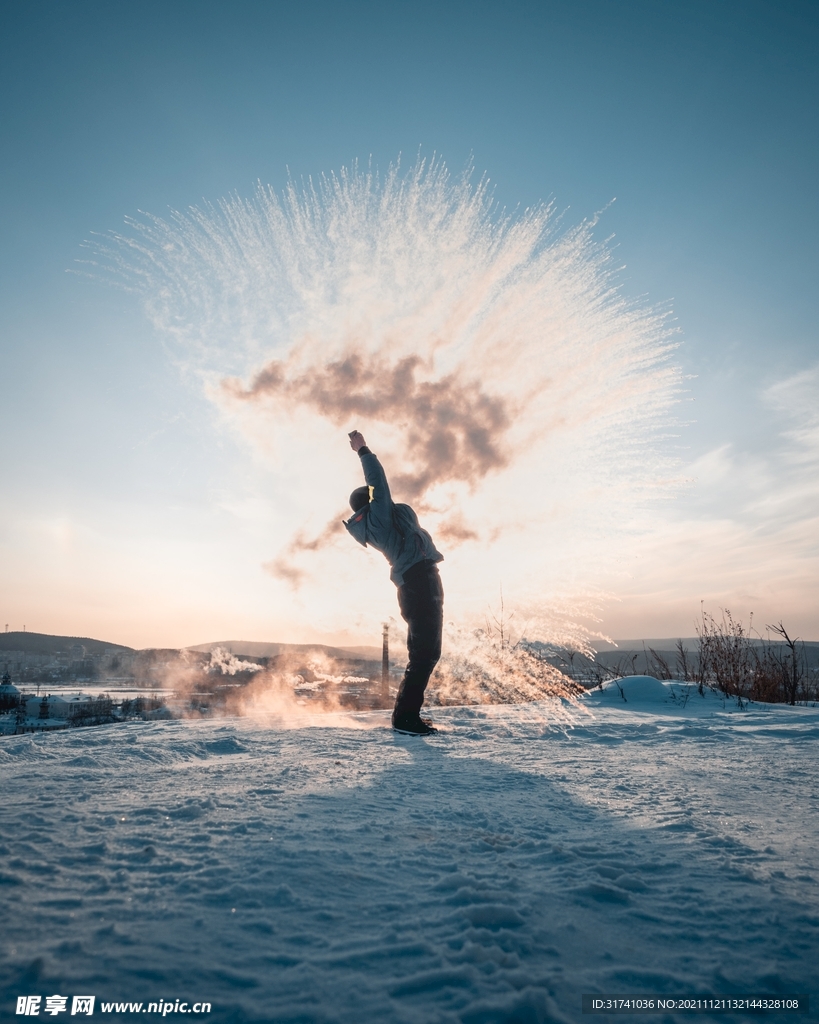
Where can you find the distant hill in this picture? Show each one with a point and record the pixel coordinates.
(45, 643)
(652, 656)
(666, 644)
(691, 643)
(259, 649)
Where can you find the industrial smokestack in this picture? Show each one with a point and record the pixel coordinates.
(385, 663)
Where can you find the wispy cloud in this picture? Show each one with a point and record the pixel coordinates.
(746, 535)
(796, 400)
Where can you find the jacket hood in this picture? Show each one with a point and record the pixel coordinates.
(357, 525)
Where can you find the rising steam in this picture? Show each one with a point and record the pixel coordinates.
(458, 430)
(516, 398)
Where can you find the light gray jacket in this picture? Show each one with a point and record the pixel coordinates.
(390, 528)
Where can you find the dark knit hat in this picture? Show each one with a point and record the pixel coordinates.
(359, 498)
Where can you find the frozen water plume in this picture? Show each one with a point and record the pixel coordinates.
(516, 397)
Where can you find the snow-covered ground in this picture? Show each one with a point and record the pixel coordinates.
(332, 871)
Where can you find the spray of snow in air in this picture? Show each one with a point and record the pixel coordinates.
(516, 398)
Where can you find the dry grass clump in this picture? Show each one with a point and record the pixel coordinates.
(772, 669)
(738, 662)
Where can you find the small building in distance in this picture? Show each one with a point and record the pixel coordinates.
(9, 694)
(60, 711)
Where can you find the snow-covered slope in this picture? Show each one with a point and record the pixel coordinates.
(331, 871)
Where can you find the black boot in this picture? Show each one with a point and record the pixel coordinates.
(412, 724)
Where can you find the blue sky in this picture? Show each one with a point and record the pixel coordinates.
(699, 118)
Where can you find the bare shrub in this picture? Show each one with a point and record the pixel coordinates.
(756, 668)
(658, 666)
(684, 670)
(725, 654)
(781, 671)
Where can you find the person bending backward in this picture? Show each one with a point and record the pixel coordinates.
(393, 529)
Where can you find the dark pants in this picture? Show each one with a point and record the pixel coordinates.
(421, 599)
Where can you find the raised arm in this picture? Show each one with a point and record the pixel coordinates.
(376, 478)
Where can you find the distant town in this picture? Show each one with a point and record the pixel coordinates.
(56, 682)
